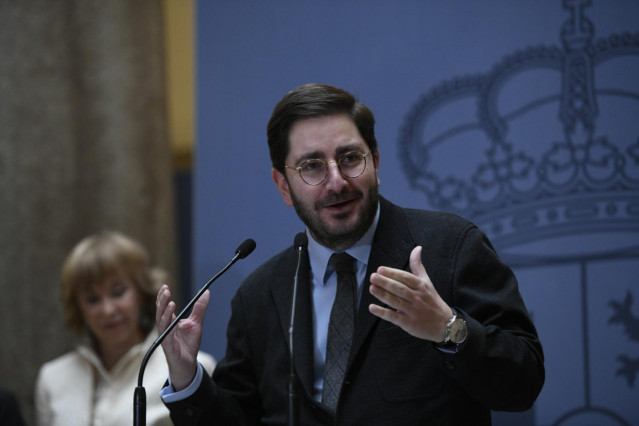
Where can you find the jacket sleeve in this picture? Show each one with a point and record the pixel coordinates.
(229, 397)
(501, 364)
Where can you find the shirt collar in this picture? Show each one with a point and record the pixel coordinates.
(137, 351)
(319, 255)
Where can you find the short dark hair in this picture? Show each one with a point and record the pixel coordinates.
(315, 100)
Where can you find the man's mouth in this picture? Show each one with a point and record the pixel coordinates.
(339, 204)
(341, 208)
(339, 201)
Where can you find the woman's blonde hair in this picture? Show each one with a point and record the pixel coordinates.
(104, 256)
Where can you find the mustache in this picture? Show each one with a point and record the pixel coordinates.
(334, 198)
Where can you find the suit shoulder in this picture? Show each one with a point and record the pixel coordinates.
(267, 270)
(438, 219)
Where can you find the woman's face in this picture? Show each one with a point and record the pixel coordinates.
(111, 310)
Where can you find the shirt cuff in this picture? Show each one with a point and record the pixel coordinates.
(168, 393)
(449, 348)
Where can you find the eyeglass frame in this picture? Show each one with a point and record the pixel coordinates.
(326, 163)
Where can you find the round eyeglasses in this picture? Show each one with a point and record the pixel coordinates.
(314, 170)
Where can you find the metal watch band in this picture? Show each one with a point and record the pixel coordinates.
(448, 325)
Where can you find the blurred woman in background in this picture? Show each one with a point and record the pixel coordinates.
(108, 296)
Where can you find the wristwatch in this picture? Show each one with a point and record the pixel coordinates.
(456, 330)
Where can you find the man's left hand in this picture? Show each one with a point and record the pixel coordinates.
(414, 304)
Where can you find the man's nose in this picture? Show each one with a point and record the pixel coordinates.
(334, 177)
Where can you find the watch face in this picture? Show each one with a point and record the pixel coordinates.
(458, 331)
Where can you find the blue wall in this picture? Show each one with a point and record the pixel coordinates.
(490, 109)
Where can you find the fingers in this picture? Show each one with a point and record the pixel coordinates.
(416, 265)
(199, 309)
(400, 290)
(386, 314)
(388, 277)
(165, 309)
(407, 279)
(395, 286)
(161, 301)
(388, 291)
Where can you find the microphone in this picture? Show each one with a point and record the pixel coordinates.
(300, 243)
(139, 398)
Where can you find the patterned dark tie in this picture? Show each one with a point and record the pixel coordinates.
(340, 329)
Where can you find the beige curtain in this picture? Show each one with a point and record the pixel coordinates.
(83, 147)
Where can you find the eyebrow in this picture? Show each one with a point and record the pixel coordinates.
(319, 155)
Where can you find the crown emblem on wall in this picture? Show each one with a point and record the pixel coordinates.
(547, 140)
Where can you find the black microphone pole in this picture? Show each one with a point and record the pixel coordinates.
(301, 241)
(139, 398)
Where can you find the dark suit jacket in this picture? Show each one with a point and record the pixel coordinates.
(392, 378)
(9, 410)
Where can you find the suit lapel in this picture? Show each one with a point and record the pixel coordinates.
(282, 289)
(391, 247)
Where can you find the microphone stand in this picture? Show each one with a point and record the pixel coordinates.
(293, 409)
(139, 397)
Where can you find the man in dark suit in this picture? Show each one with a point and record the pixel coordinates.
(439, 334)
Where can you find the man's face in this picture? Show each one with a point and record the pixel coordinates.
(339, 210)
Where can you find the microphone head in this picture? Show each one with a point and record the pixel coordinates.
(245, 248)
(301, 241)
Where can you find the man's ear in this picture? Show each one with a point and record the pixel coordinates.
(282, 185)
(376, 162)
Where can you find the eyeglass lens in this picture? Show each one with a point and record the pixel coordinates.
(351, 164)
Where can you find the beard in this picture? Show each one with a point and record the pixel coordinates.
(340, 236)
